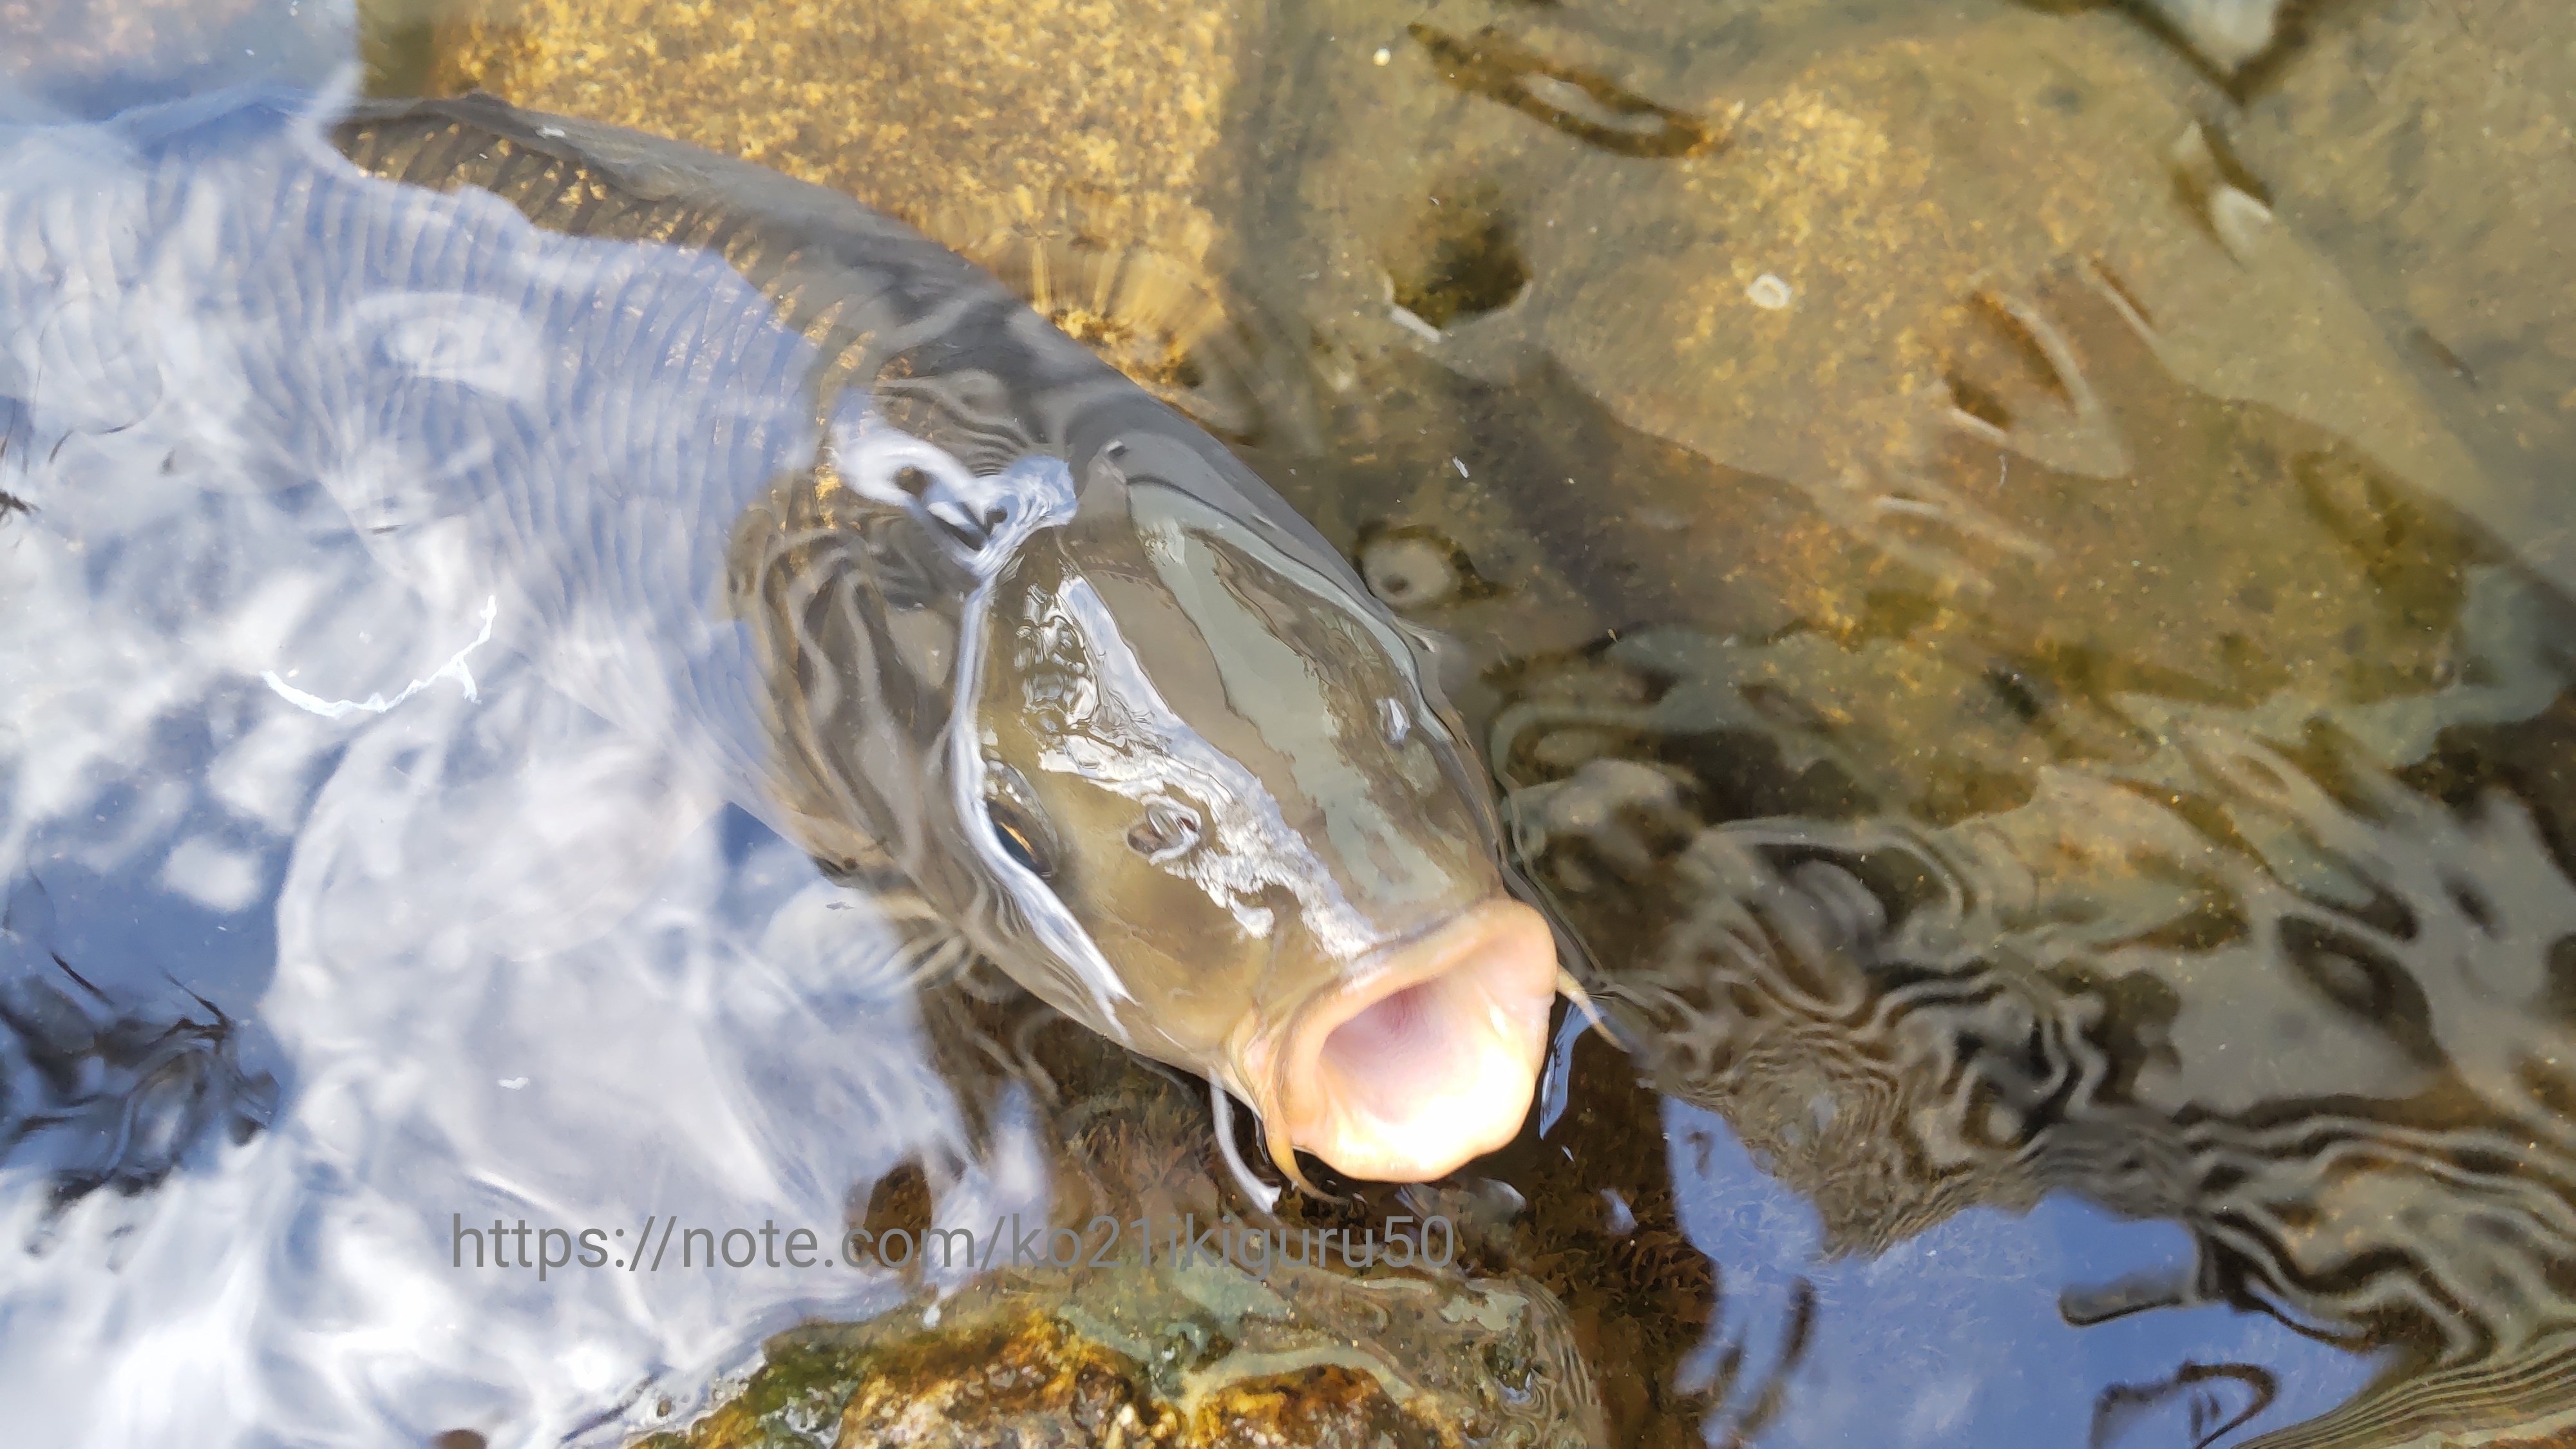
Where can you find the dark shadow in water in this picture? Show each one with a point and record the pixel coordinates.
(99, 1092)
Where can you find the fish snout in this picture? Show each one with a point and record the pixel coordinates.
(1427, 1061)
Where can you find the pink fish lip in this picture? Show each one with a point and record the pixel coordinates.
(1423, 1062)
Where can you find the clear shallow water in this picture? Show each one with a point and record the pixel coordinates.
(2143, 889)
(483, 955)
(335, 930)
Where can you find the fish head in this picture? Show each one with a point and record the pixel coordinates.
(1204, 769)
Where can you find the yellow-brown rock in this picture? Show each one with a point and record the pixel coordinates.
(1181, 1355)
(922, 108)
(1074, 146)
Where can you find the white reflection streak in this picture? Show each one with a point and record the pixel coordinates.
(1128, 739)
(454, 669)
(517, 970)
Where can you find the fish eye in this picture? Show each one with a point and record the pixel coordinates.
(1020, 838)
(1018, 823)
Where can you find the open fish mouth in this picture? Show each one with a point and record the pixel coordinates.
(1426, 1061)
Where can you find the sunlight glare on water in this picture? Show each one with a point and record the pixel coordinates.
(2009, 563)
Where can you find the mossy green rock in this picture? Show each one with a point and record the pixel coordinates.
(1202, 1354)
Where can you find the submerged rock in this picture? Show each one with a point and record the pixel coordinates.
(1232, 1327)
(1077, 148)
(2000, 653)
(1200, 1354)
(2226, 33)
(922, 110)
(2429, 149)
(1798, 301)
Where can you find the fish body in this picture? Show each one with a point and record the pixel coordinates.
(883, 557)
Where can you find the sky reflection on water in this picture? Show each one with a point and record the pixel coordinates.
(486, 955)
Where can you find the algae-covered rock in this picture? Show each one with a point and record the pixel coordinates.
(1197, 1354)
(1230, 1327)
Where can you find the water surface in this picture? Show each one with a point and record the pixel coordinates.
(2012, 564)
